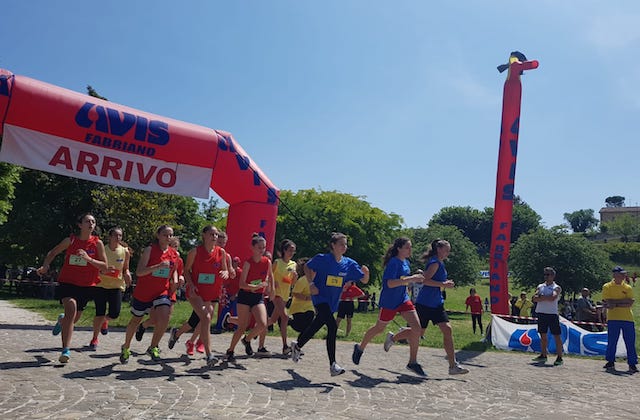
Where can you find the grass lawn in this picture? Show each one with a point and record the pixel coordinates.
(461, 323)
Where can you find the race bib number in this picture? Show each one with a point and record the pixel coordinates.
(256, 282)
(286, 280)
(161, 272)
(334, 281)
(113, 272)
(206, 278)
(77, 260)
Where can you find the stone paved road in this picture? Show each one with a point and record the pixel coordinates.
(500, 385)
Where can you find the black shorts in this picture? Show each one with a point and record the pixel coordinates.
(250, 299)
(435, 315)
(345, 309)
(548, 322)
(111, 296)
(82, 295)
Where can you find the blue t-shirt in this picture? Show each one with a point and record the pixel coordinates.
(431, 296)
(392, 297)
(331, 275)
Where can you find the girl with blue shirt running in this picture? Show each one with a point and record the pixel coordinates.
(327, 274)
(430, 303)
(394, 299)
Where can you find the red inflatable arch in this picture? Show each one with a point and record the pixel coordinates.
(52, 129)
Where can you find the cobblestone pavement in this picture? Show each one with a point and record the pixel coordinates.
(501, 385)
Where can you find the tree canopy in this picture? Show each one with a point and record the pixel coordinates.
(627, 226)
(614, 201)
(463, 264)
(581, 220)
(578, 262)
(308, 217)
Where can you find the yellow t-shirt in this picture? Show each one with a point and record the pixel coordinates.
(298, 305)
(612, 290)
(113, 278)
(283, 276)
(524, 306)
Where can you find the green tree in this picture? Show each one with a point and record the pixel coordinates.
(9, 177)
(476, 225)
(627, 226)
(581, 220)
(308, 217)
(463, 264)
(614, 201)
(578, 262)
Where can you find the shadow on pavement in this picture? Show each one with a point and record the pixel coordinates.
(298, 381)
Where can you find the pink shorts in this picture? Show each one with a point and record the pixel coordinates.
(387, 315)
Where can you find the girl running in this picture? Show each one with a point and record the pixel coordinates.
(83, 259)
(327, 273)
(394, 299)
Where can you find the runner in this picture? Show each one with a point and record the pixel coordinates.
(256, 280)
(157, 280)
(113, 282)
(394, 299)
(430, 303)
(84, 258)
(327, 273)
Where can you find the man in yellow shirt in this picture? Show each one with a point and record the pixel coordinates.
(617, 296)
(524, 305)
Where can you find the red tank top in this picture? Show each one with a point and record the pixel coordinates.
(257, 272)
(76, 270)
(205, 272)
(156, 283)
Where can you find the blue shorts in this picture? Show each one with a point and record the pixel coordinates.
(139, 308)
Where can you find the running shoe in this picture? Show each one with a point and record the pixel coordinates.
(104, 329)
(540, 359)
(93, 344)
(65, 356)
(190, 346)
(125, 353)
(416, 368)
(154, 352)
(558, 362)
(357, 354)
(247, 346)
(388, 342)
(225, 321)
(457, 370)
(295, 352)
(211, 360)
(140, 332)
(58, 327)
(633, 369)
(229, 357)
(173, 339)
(336, 370)
(263, 352)
(610, 366)
(286, 350)
(199, 346)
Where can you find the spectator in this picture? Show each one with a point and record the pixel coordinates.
(547, 296)
(475, 303)
(585, 309)
(524, 305)
(618, 299)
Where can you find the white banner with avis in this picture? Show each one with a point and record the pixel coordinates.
(507, 335)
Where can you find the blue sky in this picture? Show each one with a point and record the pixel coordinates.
(398, 102)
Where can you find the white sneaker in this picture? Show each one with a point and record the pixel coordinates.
(295, 352)
(388, 342)
(335, 369)
(457, 370)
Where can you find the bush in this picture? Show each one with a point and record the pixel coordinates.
(624, 252)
